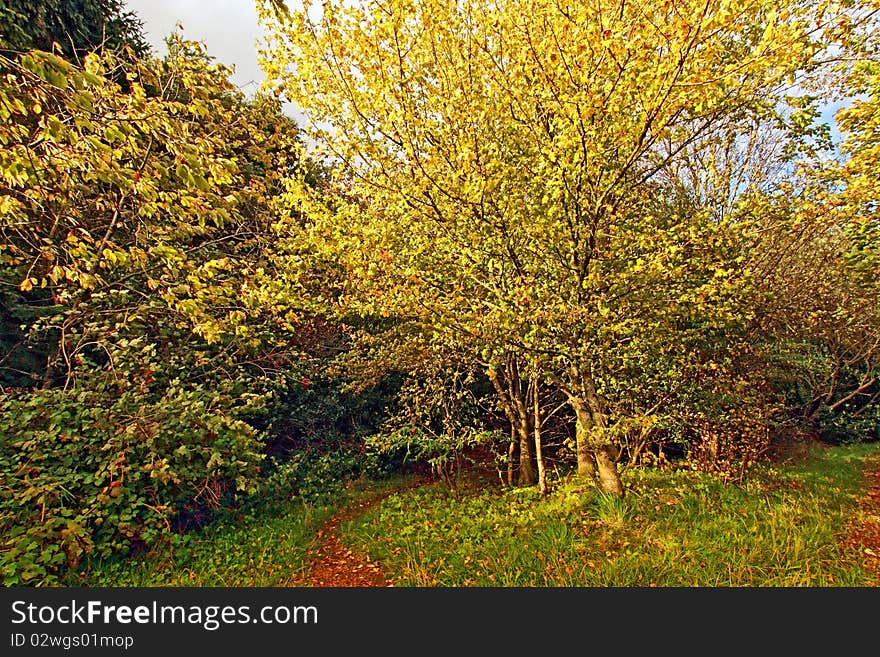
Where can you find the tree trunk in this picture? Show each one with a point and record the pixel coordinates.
(526, 470)
(586, 461)
(590, 442)
(511, 452)
(609, 479)
(539, 454)
(524, 429)
(512, 396)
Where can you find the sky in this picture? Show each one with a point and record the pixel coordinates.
(228, 28)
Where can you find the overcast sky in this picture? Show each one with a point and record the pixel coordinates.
(228, 28)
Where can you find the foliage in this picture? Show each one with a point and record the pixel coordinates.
(617, 229)
(441, 417)
(266, 544)
(317, 412)
(74, 28)
(102, 471)
(560, 183)
(677, 528)
(132, 235)
(446, 454)
(820, 310)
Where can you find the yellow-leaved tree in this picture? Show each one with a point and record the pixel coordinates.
(505, 176)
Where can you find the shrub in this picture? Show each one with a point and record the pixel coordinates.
(88, 474)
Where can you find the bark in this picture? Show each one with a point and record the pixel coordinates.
(586, 461)
(510, 391)
(595, 458)
(609, 478)
(526, 471)
(511, 452)
(536, 422)
(524, 429)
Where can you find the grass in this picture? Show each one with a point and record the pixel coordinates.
(786, 527)
(267, 546)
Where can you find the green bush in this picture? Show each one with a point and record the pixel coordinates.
(312, 476)
(89, 474)
(445, 453)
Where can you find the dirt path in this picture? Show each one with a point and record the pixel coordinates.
(335, 565)
(867, 533)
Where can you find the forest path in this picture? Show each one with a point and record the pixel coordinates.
(335, 565)
(866, 533)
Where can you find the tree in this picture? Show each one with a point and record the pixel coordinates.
(132, 229)
(75, 28)
(822, 238)
(505, 164)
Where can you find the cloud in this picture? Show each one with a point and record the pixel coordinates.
(228, 28)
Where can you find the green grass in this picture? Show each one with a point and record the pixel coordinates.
(267, 546)
(258, 550)
(785, 527)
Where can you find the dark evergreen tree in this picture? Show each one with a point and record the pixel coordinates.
(76, 26)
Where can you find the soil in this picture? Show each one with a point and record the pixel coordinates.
(865, 534)
(335, 565)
